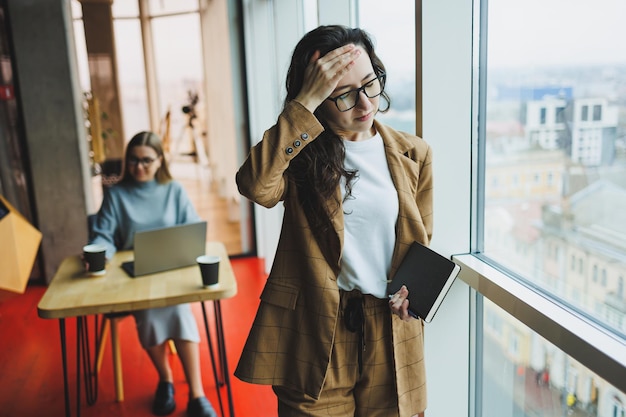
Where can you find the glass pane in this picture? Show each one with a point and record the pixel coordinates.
(387, 25)
(159, 7)
(125, 8)
(179, 71)
(131, 76)
(81, 55)
(77, 10)
(524, 375)
(555, 181)
(310, 15)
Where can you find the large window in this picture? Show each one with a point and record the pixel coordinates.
(554, 135)
(81, 48)
(130, 67)
(555, 193)
(178, 63)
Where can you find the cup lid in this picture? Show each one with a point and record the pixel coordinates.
(94, 247)
(207, 259)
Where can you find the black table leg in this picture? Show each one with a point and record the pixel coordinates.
(79, 332)
(89, 370)
(218, 383)
(83, 363)
(222, 352)
(66, 388)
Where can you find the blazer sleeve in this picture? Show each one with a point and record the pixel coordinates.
(261, 178)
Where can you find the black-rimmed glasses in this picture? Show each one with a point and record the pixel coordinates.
(350, 99)
(145, 162)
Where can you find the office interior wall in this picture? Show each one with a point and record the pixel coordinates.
(54, 128)
(447, 105)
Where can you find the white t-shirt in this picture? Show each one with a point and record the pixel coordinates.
(370, 216)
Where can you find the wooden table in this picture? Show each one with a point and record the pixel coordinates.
(74, 294)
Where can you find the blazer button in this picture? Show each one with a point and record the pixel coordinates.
(297, 143)
(289, 150)
(304, 136)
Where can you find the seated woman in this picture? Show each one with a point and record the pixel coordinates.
(147, 197)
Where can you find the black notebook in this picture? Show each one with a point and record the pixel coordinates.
(428, 277)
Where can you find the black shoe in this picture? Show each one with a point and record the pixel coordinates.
(164, 402)
(200, 407)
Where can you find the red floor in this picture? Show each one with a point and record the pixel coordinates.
(31, 373)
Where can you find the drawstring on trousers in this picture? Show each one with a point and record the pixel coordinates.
(354, 320)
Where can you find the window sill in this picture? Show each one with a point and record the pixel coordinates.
(603, 352)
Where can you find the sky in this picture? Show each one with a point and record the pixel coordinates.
(556, 32)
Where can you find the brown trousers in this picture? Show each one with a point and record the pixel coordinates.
(349, 391)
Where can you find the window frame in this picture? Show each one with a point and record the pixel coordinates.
(600, 350)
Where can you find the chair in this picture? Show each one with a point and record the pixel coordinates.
(109, 324)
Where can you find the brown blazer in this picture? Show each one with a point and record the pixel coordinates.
(292, 335)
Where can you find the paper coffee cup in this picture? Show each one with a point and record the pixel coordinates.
(95, 258)
(209, 268)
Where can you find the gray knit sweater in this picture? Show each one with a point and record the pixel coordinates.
(135, 206)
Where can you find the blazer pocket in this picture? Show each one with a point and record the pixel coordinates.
(280, 295)
(412, 172)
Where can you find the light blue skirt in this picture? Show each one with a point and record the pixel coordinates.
(156, 325)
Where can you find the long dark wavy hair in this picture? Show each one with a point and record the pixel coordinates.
(154, 141)
(319, 168)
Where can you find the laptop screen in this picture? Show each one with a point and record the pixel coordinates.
(167, 248)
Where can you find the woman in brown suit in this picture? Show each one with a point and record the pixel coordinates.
(356, 194)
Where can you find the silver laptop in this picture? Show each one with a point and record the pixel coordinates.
(167, 248)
